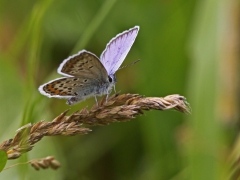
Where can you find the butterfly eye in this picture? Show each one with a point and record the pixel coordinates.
(110, 79)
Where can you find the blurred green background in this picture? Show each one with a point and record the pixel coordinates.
(187, 47)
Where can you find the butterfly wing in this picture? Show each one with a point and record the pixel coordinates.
(117, 49)
(83, 63)
(68, 87)
(58, 88)
(85, 73)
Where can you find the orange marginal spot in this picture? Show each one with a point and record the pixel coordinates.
(57, 91)
(51, 89)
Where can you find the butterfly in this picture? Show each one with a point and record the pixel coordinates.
(86, 75)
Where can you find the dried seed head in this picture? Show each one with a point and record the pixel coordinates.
(118, 108)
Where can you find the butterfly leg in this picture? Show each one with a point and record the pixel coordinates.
(114, 89)
(96, 100)
(107, 97)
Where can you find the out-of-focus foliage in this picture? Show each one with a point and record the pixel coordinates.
(185, 47)
(3, 159)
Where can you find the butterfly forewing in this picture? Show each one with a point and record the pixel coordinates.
(117, 49)
(83, 64)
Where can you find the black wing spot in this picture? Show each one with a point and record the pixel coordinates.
(75, 79)
(80, 69)
(75, 93)
(69, 88)
(85, 80)
(90, 67)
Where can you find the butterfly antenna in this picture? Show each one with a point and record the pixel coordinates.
(134, 62)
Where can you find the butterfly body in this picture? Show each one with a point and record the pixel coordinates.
(98, 89)
(86, 75)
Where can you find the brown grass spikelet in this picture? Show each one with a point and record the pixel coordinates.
(44, 163)
(41, 163)
(118, 108)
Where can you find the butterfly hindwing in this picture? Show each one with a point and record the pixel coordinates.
(68, 87)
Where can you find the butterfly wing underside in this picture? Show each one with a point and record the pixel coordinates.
(84, 72)
(83, 64)
(117, 49)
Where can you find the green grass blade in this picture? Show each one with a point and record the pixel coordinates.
(3, 159)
